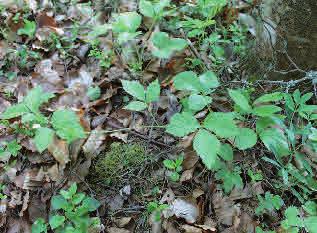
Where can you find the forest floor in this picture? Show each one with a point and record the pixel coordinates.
(124, 116)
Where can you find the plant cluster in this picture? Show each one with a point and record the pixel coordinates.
(69, 213)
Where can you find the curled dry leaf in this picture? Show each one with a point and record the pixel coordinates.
(186, 210)
(92, 146)
(122, 222)
(225, 208)
(59, 150)
(25, 203)
(118, 230)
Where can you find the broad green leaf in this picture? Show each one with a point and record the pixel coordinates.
(58, 202)
(272, 97)
(207, 146)
(68, 194)
(127, 36)
(146, 8)
(240, 100)
(79, 197)
(275, 141)
(187, 81)
(13, 147)
(226, 152)
(164, 46)
(14, 111)
(35, 98)
(289, 101)
(246, 139)
(91, 204)
(306, 97)
(310, 207)
(230, 179)
(127, 22)
(153, 92)
(266, 110)
(43, 137)
(222, 124)
(39, 226)
(28, 28)
(134, 88)
(57, 221)
(169, 164)
(98, 30)
(311, 224)
(208, 80)
(182, 124)
(67, 125)
(198, 102)
(136, 106)
(94, 93)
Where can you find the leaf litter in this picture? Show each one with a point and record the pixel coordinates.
(88, 82)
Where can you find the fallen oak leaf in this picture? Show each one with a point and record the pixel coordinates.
(59, 150)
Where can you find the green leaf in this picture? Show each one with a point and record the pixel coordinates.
(57, 221)
(187, 81)
(14, 111)
(230, 179)
(275, 141)
(169, 164)
(31, 103)
(134, 88)
(272, 97)
(240, 100)
(246, 139)
(28, 29)
(77, 198)
(164, 46)
(67, 125)
(93, 93)
(58, 202)
(91, 204)
(153, 92)
(146, 8)
(198, 102)
(35, 98)
(207, 146)
(127, 22)
(222, 124)
(226, 152)
(39, 226)
(68, 194)
(208, 80)
(311, 224)
(136, 106)
(266, 110)
(182, 124)
(310, 207)
(43, 137)
(13, 147)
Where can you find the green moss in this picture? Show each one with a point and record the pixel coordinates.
(118, 164)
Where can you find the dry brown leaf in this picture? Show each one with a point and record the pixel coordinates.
(225, 208)
(191, 229)
(15, 199)
(37, 209)
(123, 221)
(18, 226)
(59, 149)
(118, 230)
(92, 146)
(25, 203)
(185, 209)
(187, 175)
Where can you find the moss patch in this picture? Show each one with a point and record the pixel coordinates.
(118, 165)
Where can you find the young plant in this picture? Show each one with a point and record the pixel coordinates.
(155, 10)
(2, 196)
(294, 221)
(269, 203)
(156, 209)
(175, 166)
(69, 213)
(28, 29)
(143, 97)
(64, 122)
(164, 46)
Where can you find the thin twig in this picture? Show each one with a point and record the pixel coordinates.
(194, 51)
